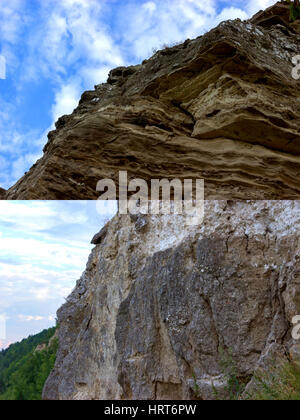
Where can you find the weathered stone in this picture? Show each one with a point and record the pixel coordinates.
(2, 193)
(223, 107)
(141, 223)
(278, 13)
(97, 239)
(153, 312)
(40, 347)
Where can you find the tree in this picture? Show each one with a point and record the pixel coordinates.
(24, 370)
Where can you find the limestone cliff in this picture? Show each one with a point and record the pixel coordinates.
(159, 300)
(223, 107)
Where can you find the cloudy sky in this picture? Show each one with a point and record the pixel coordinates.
(44, 247)
(56, 49)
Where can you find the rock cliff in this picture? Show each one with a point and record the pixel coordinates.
(223, 107)
(156, 306)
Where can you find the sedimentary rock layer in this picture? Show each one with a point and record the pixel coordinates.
(160, 302)
(223, 107)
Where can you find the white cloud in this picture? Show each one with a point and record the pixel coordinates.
(155, 23)
(11, 19)
(150, 7)
(256, 5)
(231, 13)
(28, 284)
(66, 100)
(44, 248)
(39, 219)
(18, 151)
(29, 318)
(2, 326)
(73, 34)
(21, 165)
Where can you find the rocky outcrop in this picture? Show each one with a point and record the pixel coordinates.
(223, 107)
(43, 346)
(2, 193)
(40, 348)
(155, 308)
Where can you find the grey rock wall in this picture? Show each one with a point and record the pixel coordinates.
(155, 308)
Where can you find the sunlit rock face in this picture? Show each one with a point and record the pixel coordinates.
(156, 307)
(223, 107)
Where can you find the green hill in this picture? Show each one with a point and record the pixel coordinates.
(23, 370)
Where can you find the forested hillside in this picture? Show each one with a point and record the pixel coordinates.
(23, 370)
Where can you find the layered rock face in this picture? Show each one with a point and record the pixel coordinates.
(223, 107)
(160, 301)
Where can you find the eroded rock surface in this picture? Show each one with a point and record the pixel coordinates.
(155, 308)
(223, 107)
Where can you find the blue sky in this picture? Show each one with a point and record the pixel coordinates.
(44, 247)
(56, 49)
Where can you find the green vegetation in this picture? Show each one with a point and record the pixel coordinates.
(235, 385)
(196, 386)
(280, 383)
(294, 9)
(23, 371)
